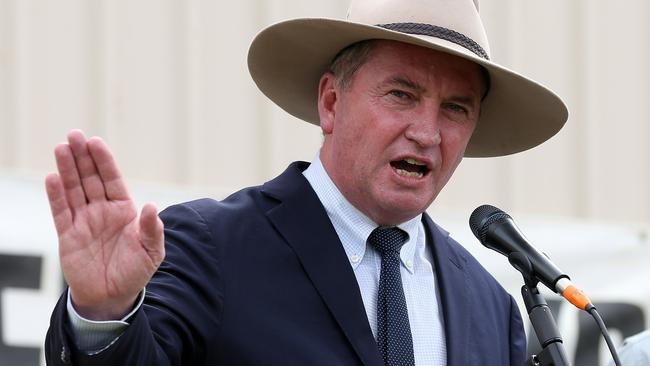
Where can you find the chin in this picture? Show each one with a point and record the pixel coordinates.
(396, 214)
(396, 206)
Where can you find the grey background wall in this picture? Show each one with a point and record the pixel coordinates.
(165, 82)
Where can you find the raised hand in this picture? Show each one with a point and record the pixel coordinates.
(108, 252)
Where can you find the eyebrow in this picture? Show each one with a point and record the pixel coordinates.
(414, 85)
(405, 82)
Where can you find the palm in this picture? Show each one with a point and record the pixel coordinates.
(98, 238)
(108, 252)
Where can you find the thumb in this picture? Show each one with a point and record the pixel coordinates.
(151, 233)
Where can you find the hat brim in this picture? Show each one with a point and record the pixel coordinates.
(287, 59)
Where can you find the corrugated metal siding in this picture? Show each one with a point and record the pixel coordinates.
(165, 82)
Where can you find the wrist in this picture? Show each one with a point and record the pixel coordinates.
(114, 309)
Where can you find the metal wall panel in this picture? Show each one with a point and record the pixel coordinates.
(165, 82)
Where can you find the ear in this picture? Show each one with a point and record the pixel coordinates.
(327, 98)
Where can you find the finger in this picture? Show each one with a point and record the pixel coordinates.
(109, 172)
(152, 234)
(90, 180)
(58, 203)
(69, 176)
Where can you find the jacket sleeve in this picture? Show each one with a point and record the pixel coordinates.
(181, 310)
(517, 336)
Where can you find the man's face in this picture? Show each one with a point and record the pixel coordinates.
(396, 134)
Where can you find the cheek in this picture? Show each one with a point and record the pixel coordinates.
(458, 135)
(364, 141)
(454, 143)
(351, 152)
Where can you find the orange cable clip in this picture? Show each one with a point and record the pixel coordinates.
(577, 297)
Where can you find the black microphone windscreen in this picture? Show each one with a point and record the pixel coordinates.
(481, 219)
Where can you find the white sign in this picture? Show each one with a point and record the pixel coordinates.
(609, 262)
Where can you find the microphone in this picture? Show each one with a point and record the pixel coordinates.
(496, 230)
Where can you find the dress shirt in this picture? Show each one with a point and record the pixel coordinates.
(353, 228)
(92, 336)
(417, 270)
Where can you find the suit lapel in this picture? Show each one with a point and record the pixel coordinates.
(302, 221)
(452, 281)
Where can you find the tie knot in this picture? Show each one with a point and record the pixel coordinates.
(388, 240)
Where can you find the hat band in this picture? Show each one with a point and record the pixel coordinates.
(438, 32)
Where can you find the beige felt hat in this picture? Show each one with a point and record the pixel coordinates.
(287, 59)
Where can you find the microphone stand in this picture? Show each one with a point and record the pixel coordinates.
(553, 353)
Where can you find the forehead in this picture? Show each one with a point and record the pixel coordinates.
(391, 56)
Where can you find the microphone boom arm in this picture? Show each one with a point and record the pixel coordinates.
(541, 317)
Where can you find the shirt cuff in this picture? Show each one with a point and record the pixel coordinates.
(92, 336)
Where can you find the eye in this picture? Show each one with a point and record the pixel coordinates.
(456, 108)
(400, 94)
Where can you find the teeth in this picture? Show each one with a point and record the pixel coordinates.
(414, 162)
(406, 173)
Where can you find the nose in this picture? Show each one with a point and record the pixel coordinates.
(424, 128)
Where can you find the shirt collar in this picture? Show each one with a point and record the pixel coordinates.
(352, 226)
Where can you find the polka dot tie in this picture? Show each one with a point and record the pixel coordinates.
(393, 330)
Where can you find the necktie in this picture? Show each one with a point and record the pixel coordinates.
(393, 330)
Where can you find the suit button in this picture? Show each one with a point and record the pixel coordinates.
(65, 356)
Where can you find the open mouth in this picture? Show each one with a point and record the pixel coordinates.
(410, 168)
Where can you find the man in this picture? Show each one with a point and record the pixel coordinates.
(332, 263)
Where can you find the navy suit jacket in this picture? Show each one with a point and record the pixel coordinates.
(261, 278)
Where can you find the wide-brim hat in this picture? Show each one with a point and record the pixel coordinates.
(287, 59)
